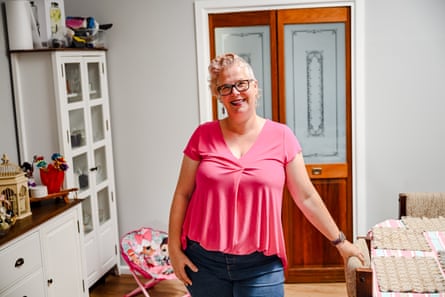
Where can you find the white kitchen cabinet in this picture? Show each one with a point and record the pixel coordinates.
(62, 105)
(47, 261)
(61, 254)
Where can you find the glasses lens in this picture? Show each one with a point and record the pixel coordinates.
(242, 85)
(225, 90)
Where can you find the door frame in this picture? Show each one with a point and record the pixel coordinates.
(204, 7)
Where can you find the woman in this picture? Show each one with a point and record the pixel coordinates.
(225, 232)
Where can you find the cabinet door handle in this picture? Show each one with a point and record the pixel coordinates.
(19, 262)
(93, 169)
(316, 171)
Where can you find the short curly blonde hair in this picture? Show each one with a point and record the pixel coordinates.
(218, 64)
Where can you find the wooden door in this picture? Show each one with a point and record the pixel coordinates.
(311, 94)
(314, 64)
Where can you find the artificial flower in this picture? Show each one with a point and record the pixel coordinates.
(58, 163)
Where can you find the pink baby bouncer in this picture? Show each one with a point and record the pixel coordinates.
(146, 252)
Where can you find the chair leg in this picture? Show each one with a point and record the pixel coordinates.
(141, 286)
(364, 282)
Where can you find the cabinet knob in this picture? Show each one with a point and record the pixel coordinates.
(19, 262)
(50, 282)
(316, 171)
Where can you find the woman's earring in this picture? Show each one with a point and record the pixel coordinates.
(223, 110)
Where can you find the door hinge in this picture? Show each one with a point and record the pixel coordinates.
(78, 226)
(115, 249)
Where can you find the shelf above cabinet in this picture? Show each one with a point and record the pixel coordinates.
(63, 194)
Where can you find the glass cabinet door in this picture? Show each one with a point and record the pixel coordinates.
(103, 202)
(101, 164)
(81, 171)
(94, 80)
(77, 127)
(87, 215)
(97, 123)
(73, 82)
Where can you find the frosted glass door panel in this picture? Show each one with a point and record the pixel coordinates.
(103, 202)
(253, 45)
(73, 82)
(86, 215)
(94, 82)
(315, 90)
(80, 169)
(77, 127)
(97, 122)
(101, 164)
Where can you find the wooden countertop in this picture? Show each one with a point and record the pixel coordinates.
(42, 211)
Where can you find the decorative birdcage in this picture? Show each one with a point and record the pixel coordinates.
(14, 186)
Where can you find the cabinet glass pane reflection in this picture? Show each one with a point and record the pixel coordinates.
(103, 202)
(95, 88)
(73, 82)
(86, 214)
(97, 122)
(77, 128)
(101, 164)
(80, 169)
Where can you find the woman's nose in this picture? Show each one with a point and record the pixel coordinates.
(235, 91)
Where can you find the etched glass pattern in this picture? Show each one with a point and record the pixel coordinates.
(315, 90)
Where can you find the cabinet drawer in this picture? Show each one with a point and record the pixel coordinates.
(20, 259)
(31, 286)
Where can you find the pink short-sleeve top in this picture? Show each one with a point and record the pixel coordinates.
(236, 204)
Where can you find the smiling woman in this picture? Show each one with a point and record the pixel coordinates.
(225, 230)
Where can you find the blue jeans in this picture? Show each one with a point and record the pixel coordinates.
(225, 275)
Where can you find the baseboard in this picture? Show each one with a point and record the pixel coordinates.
(124, 269)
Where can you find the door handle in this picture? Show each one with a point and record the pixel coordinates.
(316, 171)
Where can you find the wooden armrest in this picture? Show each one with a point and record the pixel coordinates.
(363, 282)
(402, 205)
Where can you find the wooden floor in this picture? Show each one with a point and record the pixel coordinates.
(117, 286)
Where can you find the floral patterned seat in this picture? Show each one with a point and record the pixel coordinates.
(146, 253)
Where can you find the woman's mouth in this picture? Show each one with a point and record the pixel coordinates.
(237, 102)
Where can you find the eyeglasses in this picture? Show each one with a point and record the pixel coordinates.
(240, 86)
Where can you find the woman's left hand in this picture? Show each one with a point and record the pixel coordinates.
(347, 250)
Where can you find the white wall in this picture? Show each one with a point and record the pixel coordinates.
(8, 144)
(405, 101)
(154, 104)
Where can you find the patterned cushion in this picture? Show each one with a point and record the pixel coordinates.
(425, 204)
(146, 251)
